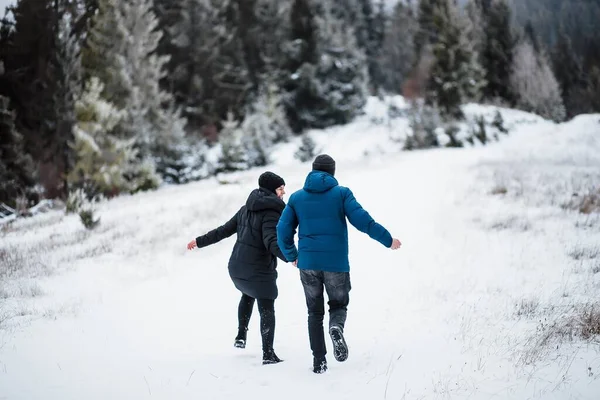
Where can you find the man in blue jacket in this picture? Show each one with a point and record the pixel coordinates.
(320, 210)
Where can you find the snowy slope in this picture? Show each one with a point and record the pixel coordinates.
(127, 312)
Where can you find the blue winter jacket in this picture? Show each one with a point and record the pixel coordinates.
(320, 210)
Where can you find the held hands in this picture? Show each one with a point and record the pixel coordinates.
(395, 244)
(192, 245)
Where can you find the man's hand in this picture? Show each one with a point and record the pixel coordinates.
(395, 244)
(192, 245)
(295, 263)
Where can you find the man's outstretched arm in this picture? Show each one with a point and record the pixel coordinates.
(361, 220)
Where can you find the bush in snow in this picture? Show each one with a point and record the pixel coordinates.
(81, 203)
(452, 130)
(423, 120)
(88, 218)
(498, 123)
(479, 131)
(189, 164)
(307, 149)
(75, 201)
(232, 157)
(587, 203)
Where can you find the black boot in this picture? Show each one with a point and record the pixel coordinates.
(269, 357)
(240, 339)
(319, 365)
(340, 348)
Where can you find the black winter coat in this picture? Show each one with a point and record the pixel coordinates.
(253, 262)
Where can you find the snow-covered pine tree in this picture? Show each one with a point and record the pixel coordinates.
(193, 30)
(232, 157)
(424, 120)
(230, 73)
(307, 149)
(475, 25)
(16, 167)
(398, 56)
(427, 33)
(568, 69)
(264, 125)
(122, 53)
(101, 159)
(497, 54)
(328, 79)
(40, 57)
(271, 31)
(534, 83)
(67, 69)
(456, 76)
(471, 40)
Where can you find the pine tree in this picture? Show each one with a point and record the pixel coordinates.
(232, 156)
(378, 31)
(271, 31)
(534, 83)
(101, 158)
(264, 125)
(16, 167)
(369, 29)
(423, 120)
(28, 46)
(398, 56)
(231, 75)
(327, 83)
(67, 82)
(427, 33)
(207, 74)
(475, 25)
(122, 53)
(569, 73)
(456, 76)
(307, 150)
(497, 56)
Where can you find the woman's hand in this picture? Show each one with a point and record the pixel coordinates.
(192, 245)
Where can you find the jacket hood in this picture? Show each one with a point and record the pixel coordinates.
(261, 199)
(319, 181)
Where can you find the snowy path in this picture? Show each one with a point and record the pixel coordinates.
(434, 320)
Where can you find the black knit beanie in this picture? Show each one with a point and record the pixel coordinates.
(324, 163)
(270, 181)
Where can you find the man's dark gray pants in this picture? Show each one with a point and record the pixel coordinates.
(337, 285)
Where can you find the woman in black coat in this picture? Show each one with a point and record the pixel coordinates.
(253, 262)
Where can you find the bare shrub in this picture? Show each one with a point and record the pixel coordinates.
(582, 322)
(499, 190)
(584, 253)
(18, 262)
(588, 322)
(527, 307)
(587, 203)
(511, 223)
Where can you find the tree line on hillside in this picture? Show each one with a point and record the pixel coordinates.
(110, 97)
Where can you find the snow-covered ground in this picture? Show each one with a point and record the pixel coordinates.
(493, 262)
